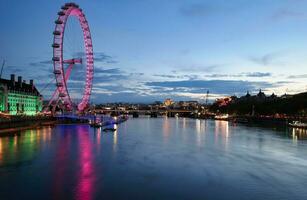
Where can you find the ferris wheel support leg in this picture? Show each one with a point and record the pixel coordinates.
(54, 107)
(55, 93)
(68, 71)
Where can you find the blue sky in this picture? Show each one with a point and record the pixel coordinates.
(154, 49)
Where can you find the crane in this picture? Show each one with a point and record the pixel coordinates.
(2, 68)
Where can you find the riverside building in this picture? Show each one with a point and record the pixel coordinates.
(19, 97)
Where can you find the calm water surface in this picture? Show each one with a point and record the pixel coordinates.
(163, 158)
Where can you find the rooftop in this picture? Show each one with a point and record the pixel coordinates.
(20, 86)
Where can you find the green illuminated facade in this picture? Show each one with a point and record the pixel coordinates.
(19, 97)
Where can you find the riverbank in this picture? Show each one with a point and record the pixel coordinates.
(15, 124)
(21, 123)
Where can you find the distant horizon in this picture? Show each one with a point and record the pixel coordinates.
(210, 99)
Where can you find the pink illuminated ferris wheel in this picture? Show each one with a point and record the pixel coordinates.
(61, 71)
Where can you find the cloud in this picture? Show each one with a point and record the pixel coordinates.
(107, 71)
(41, 63)
(196, 10)
(123, 97)
(218, 75)
(288, 14)
(169, 76)
(283, 82)
(267, 59)
(136, 74)
(215, 86)
(103, 57)
(110, 77)
(244, 74)
(198, 68)
(258, 74)
(40, 72)
(13, 69)
(100, 57)
(297, 76)
(100, 75)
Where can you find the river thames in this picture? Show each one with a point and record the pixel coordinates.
(154, 158)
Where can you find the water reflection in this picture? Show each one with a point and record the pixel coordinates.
(115, 138)
(222, 129)
(199, 131)
(98, 136)
(298, 134)
(22, 146)
(86, 175)
(166, 129)
(60, 166)
(0, 151)
(78, 162)
(184, 123)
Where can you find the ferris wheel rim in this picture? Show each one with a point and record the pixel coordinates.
(68, 10)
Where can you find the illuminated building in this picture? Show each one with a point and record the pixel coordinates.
(223, 101)
(19, 97)
(168, 102)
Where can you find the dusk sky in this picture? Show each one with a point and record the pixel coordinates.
(150, 50)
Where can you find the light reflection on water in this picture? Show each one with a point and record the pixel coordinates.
(115, 138)
(222, 131)
(162, 158)
(299, 134)
(86, 176)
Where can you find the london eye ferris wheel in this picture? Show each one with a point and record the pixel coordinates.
(63, 66)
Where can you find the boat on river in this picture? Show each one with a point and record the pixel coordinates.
(109, 129)
(100, 122)
(222, 117)
(298, 124)
(96, 124)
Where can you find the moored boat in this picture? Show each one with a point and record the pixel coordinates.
(109, 129)
(222, 117)
(96, 125)
(297, 124)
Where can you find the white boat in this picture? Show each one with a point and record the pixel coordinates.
(96, 124)
(222, 117)
(297, 124)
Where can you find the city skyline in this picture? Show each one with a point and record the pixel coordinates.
(152, 50)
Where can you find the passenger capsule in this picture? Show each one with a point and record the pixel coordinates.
(56, 32)
(55, 45)
(58, 21)
(61, 13)
(57, 71)
(56, 59)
